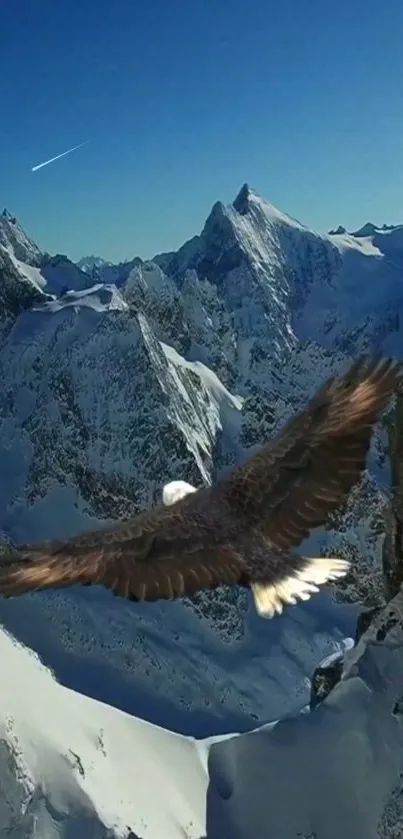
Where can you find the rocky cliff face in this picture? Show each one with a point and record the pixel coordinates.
(17, 294)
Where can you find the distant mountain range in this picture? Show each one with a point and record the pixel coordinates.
(92, 263)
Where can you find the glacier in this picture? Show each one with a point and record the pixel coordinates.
(115, 380)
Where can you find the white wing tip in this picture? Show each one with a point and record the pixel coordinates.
(176, 490)
(270, 599)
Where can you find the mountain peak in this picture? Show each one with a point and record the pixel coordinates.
(368, 229)
(249, 202)
(241, 203)
(8, 216)
(14, 239)
(338, 231)
(91, 262)
(247, 197)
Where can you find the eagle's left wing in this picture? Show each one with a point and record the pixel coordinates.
(163, 553)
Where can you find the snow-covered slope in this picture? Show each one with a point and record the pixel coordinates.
(73, 768)
(323, 775)
(176, 368)
(61, 274)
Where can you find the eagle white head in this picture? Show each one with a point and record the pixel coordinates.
(176, 490)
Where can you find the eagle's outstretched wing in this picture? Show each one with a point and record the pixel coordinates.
(163, 553)
(211, 537)
(292, 484)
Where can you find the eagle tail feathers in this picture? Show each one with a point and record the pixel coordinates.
(270, 598)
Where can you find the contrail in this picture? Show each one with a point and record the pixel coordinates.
(52, 159)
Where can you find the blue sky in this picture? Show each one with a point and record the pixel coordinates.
(185, 100)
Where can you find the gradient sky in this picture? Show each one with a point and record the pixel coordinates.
(184, 101)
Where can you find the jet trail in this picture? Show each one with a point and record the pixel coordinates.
(52, 159)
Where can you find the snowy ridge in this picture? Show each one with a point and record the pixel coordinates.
(100, 298)
(28, 272)
(14, 239)
(192, 381)
(61, 275)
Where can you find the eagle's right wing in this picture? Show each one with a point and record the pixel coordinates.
(290, 486)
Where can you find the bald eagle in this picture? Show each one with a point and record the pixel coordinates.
(242, 530)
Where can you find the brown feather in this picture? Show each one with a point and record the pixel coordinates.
(118, 568)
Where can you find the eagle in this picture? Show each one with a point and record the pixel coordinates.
(243, 530)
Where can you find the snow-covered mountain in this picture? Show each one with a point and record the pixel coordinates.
(91, 263)
(176, 368)
(31, 268)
